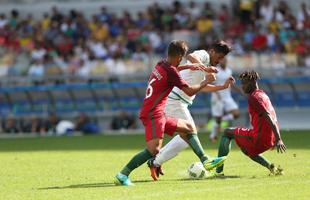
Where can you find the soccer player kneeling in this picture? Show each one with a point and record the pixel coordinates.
(265, 133)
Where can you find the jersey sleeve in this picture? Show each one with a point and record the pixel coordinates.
(174, 79)
(258, 104)
(203, 56)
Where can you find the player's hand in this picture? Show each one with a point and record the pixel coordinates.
(197, 66)
(229, 82)
(210, 77)
(280, 146)
(211, 69)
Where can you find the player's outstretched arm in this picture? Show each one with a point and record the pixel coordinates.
(194, 66)
(238, 89)
(192, 90)
(279, 143)
(214, 88)
(198, 66)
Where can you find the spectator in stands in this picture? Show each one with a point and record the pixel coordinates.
(36, 69)
(14, 19)
(123, 121)
(38, 52)
(304, 17)
(246, 8)
(194, 10)
(49, 125)
(259, 41)
(85, 125)
(3, 21)
(204, 24)
(35, 125)
(10, 125)
(58, 35)
(266, 11)
(224, 14)
(32, 126)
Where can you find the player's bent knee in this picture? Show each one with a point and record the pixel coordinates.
(185, 126)
(229, 132)
(226, 131)
(154, 145)
(156, 150)
(190, 127)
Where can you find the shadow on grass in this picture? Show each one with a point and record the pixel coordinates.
(211, 178)
(91, 185)
(110, 184)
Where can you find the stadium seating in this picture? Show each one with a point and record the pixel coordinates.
(113, 97)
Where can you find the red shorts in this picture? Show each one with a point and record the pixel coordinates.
(156, 127)
(246, 139)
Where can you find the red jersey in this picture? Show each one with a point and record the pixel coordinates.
(162, 80)
(258, 103)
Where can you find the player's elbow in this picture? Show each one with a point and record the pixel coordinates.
(189, 93)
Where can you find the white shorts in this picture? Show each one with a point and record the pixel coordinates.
(221, 107)
(178, 109)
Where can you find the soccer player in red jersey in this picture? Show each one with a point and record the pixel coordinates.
(264, 133)
(162, 80)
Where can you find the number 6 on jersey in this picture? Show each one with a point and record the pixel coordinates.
(149, 89)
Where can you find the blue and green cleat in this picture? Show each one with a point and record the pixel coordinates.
(214, 162)
(214, 174)
(121, 179)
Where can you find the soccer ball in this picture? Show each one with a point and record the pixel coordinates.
(196, 171)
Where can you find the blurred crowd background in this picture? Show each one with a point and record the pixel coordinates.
(262, 33)
(57, 46)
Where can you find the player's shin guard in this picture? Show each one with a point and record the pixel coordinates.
(224, 149)
(194, 143)
(170, 150)
(136, 161)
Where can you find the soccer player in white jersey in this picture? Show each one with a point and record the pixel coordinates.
(178, 101)
(223, 106)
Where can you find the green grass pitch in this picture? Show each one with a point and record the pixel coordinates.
(79, 168)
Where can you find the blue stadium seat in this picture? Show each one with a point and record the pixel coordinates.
(303, 98)
(202, 101)
(285, 99)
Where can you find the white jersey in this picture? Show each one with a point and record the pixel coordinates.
(221, 76)
(192, 77)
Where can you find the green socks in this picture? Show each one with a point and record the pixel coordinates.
(224, 149)
(262, 160)
(136, 161)
(194, 143)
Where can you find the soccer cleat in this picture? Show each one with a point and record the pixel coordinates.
(213, 174)
(155, 171)
(121, 179)
(276, 171)
(213, 163)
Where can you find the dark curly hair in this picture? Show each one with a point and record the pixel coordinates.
(249, 76)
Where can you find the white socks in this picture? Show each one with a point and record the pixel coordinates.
(214, 130)
(170, 150)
